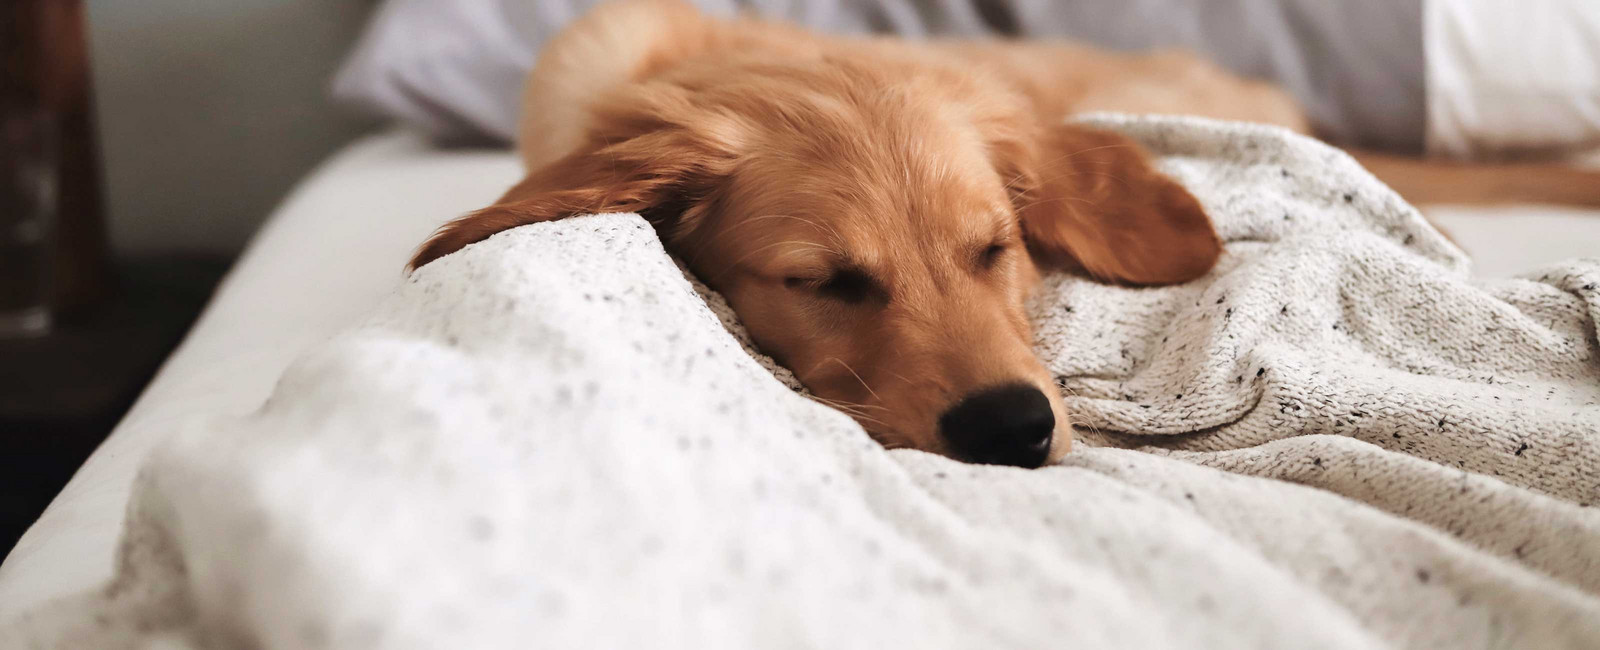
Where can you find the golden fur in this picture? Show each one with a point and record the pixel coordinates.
(876, 211)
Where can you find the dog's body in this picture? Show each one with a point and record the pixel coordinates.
(875, 210)
(633, 41)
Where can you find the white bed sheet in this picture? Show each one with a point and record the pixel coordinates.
(338, 244)
(330, 251)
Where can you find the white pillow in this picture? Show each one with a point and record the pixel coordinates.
(1512, 77)
(455, 67)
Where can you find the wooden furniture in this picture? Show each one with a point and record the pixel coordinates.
(61, 394)
(44, 64)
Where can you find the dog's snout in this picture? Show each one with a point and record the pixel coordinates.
(1009, 425)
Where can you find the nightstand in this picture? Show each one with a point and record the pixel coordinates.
(60, 395)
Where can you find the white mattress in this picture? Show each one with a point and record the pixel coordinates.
(338, 244)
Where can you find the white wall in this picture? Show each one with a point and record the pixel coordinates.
(209, 110)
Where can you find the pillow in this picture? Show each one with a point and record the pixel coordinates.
(1512, 78)
(455, 68)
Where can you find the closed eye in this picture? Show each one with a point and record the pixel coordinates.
(991, 255)
(845, 285)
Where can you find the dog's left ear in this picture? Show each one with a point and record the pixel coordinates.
(1090, 200)
(648, 150)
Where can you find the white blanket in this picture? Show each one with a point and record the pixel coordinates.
(1337, 439)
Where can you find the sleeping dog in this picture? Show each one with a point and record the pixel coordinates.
(875, 210)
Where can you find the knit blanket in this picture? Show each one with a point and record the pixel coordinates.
(554, 438)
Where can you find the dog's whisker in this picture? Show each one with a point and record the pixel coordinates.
(1012, 183)
(1092, 428)
(849, 406)
(857, 415)
(852, 372)
(873, 425)
(1057, 199)
(1061, 158)
(1114, 177)
(832, 403)
(1082, 151)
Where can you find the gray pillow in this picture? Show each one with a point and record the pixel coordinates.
(454, 68)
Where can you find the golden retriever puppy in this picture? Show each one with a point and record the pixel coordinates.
(876, 211)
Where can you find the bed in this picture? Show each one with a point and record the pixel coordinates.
(331, 256)
(334, 250)
(336, 245)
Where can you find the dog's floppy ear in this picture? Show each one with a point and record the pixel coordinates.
(647, 152)
(1090, 200)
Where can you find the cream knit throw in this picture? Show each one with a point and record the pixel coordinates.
(1337, 439)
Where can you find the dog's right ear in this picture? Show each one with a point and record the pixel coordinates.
(1091, 200)
(650, 152)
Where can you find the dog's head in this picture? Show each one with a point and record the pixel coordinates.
(877, 229)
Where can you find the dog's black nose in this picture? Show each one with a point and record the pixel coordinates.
(1009, 425)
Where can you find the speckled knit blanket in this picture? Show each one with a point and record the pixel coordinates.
(553, 439)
